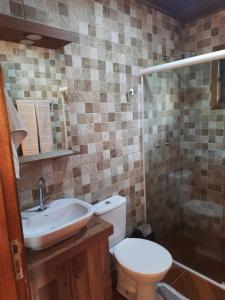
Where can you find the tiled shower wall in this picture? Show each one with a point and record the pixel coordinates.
(203, 143)
(114, 39)
(202, 146)
(197, 172)
(205, 33)
(184, 153)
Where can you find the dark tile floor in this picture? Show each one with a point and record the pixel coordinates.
(188, 284)
(204, 256)
(117, 296)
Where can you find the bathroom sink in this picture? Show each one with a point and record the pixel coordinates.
(62, 219)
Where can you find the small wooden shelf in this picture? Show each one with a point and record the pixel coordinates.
(13, 29)
(46, 155)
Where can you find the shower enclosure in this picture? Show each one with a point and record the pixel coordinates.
(184, 155)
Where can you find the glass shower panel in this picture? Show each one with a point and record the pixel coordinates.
(162, 117)
(185, 167)
(202, 150)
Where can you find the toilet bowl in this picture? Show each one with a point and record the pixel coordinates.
(145, 262)
(139, 263)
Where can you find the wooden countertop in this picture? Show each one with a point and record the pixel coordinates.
(96, 230)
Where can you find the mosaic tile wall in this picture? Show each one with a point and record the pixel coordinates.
(114, 39)
(205, 33)
(36, 73)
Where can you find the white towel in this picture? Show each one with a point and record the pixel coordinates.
(27, 112)
(18, 131)
(43, 114)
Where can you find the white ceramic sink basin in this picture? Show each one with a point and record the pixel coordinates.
(62, 219)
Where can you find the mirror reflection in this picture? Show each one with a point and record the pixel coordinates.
(46, 124)
(35, 82)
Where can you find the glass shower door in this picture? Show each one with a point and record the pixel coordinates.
(185, 167)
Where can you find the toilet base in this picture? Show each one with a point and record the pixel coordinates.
(146, 292)
(133, 291)
(125, 285)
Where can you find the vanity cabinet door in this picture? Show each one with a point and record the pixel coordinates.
(82, 276)
(98, 260)
(79, 277)
(64, 283)
(52, 284)
(90, 273)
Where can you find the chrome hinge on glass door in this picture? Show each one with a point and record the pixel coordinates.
(16, 253)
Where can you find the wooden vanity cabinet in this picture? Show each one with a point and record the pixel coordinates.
(74, 271)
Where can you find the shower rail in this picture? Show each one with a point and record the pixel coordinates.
(199, 59)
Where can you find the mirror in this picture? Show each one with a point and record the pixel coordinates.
(47, 123)
(35, 81)
(218, 82)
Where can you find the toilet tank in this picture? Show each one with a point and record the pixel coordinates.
(113, 210)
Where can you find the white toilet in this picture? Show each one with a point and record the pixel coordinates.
(140, 263)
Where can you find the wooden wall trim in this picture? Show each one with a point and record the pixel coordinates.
(215, 104)
(9, 194)
(7, 278)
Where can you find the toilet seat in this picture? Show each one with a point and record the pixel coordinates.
(142, 257)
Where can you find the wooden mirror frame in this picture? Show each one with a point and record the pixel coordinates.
(215, 103)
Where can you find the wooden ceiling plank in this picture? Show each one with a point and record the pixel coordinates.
(186, 11)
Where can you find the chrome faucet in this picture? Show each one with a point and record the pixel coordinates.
(42, 190)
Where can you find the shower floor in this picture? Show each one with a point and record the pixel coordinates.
(188, 284)
(206, 257)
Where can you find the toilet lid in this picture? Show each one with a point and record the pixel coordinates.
(143, 256)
